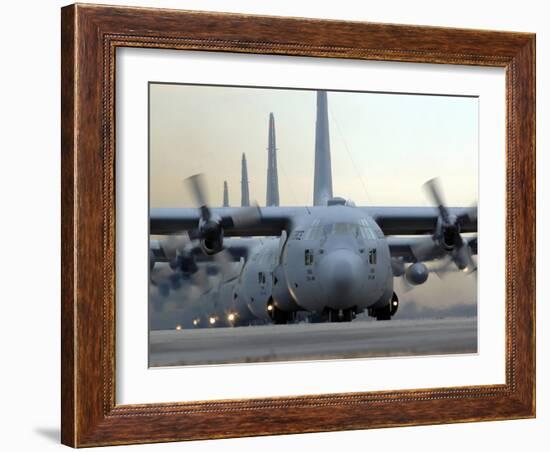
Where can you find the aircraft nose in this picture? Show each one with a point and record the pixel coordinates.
(340, 273)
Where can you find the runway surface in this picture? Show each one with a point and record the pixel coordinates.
(313, 341)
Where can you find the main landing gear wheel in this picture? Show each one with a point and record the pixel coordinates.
(383, 314)
(348, 315)
(388, 311)
(280, 317)
(333, 315)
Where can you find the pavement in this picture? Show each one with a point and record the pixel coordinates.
(317, 341)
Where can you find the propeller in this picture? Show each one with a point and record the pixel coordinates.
(225, 263)
(443, 267)
(398, 266)
(433, 189)
(170, 279)
(426, 249)
(180, 252)
(210, 230)
(176, 244)
(184, 267)
(447, 237)
(180, 249)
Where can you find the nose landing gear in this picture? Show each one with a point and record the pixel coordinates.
(340, 315)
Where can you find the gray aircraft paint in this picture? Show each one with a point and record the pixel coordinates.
(322, 182)
(225, 194)
(338, 259)
(245, 196)
(323, 264)
(254, 285)
(272, 195)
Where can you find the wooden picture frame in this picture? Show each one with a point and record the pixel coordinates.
(90, 35)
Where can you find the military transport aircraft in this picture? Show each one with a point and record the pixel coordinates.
(333, 260)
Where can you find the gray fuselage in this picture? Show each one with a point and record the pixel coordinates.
(335, 258)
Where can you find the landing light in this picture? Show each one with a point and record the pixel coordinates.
(270, 307)
(395, 303)
(231, 317)
(195, 322)
(178, 327)
(212, 320)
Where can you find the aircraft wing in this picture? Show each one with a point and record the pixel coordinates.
(235, 247)
(417, 220)
(392, 220)
(273, 220)
(403, 246)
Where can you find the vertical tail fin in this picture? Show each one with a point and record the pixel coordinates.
(245, 197)
(225, 194)
(272, 195)
(322, 183)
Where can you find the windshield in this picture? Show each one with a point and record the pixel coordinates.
(357, 230)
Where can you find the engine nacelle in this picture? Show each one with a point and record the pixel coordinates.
(397, 267)
(176, 281)
(211, 233)
(184, 262)
(462, 257)
(417, 274)
(211, 247)
(448, 233)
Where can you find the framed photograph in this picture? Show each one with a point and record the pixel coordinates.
(282, 225)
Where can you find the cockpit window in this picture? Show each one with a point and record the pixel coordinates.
(316, 233)
(373, 226)
(366, 229)
(345, 229)
(357, 230)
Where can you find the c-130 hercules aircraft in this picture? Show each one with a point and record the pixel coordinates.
(333, 260)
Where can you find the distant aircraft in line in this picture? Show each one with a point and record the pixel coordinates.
(333, 260)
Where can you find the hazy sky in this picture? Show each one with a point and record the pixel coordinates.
(384, 146)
